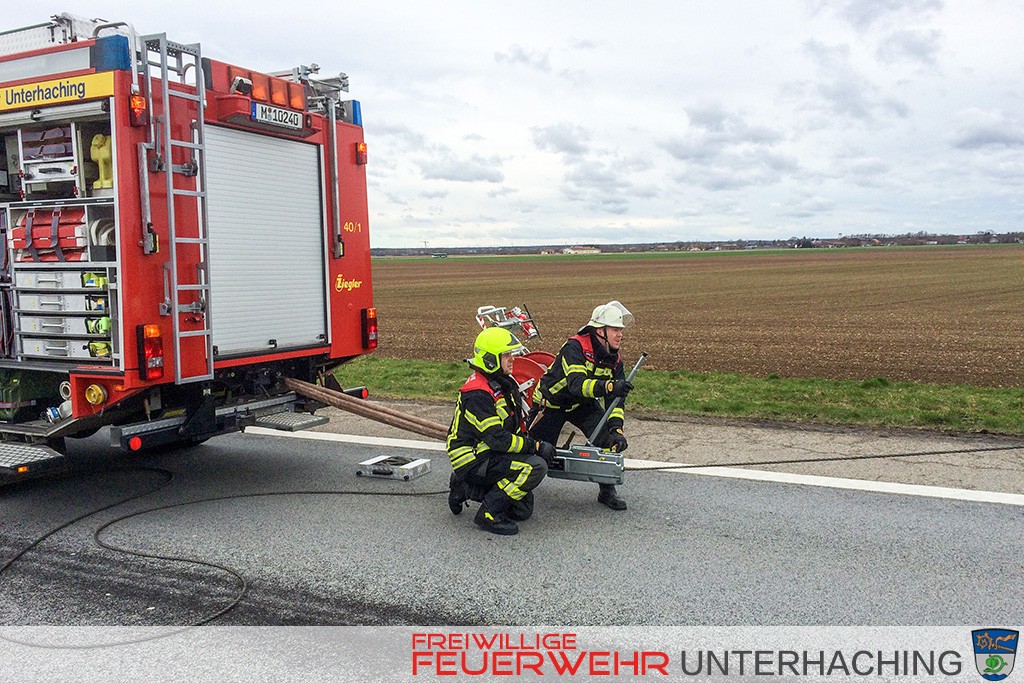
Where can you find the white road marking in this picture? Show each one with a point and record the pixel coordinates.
(350, 438)
(674, 467)
(839, 483)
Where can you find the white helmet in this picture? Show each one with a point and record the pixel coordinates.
(611, 314)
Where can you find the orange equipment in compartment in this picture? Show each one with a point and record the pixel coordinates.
(51, 235)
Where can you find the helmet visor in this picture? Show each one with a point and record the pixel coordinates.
(612, 314)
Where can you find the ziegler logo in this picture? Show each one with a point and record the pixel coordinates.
(341, 284)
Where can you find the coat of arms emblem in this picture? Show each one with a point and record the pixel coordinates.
(994, 652)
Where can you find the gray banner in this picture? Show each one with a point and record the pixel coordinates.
(340, 654)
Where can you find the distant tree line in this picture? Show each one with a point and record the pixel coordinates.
(909, 239)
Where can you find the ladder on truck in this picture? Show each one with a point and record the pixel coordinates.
(165, 59)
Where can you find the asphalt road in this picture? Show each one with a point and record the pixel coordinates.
(983, 462)
(308, 542)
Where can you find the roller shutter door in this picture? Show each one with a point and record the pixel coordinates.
(266, 242)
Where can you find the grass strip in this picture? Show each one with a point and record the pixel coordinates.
(874, 402)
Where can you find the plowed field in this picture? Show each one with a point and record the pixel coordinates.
(937, 315)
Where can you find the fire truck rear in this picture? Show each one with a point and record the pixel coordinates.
(181, 235)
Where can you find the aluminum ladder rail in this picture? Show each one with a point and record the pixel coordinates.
(177, 59)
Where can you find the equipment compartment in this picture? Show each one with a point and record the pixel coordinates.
(66, 348)
(50, 161)
(28, 302)
(98, 326)
(45, 233)
(48, 279)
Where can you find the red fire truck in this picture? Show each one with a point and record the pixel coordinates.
(181, 234)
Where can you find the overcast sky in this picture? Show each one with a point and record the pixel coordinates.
(501, 123)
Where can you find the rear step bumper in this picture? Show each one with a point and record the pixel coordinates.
(292, 422)
(228, 419)
(21, 459)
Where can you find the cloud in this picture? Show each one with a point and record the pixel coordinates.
(564, 138)
(912, 46)
(597, 178)
(541, 61)
(691, 148)
(1007, 169)
(863, 14)
(981, 129)
(599, 185)
(402, 135)
(858, 169)
(713, 131)
(722, 151)
(729, 126)
(516, 54)
(740, 169)
(577, 77)
(808, 207)
(446, 166)
(843, 91)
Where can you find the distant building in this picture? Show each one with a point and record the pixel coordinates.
(581, 250)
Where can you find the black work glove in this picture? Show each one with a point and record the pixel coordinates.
(618, 388)
(546, 451)
(617, 441)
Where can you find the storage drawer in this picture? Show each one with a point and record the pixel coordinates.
(66, 348)
(64, 325)
(50, 279)
(57, 302)
(50, 171)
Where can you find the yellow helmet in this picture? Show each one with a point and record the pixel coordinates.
(489, 346)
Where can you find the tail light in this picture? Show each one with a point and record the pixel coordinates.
(138, 113)
(151, 351)
(369, 328)
(361, 153)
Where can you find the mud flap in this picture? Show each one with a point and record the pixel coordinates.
(202, 421)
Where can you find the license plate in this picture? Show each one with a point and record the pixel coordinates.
(275, 116)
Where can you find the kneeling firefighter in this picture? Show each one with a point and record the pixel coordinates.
(494, 460)
(582, 383)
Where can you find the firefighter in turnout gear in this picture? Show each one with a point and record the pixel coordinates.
(494, 460)
(584, 379)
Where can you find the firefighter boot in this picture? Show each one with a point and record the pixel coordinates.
(496, 523)
(521, 510)
(608, 497)
(493, 514)
(456, 495)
